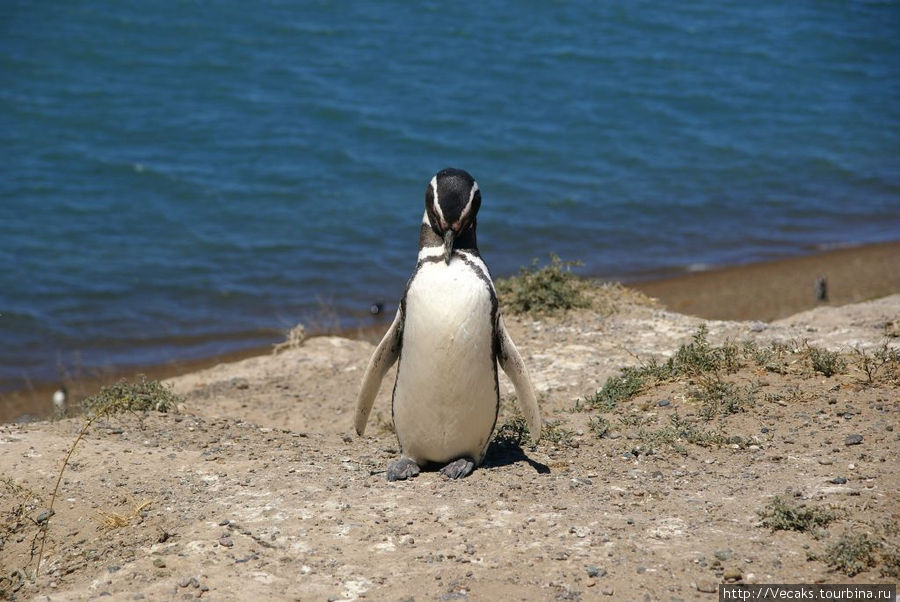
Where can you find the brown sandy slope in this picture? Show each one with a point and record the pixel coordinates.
(258, 489)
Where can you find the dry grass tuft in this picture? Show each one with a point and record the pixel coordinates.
(111, 520)
(294, 339)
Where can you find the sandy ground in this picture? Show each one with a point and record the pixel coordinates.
(258, 487)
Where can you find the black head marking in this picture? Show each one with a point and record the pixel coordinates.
(452, 200)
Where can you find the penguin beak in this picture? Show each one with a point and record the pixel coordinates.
(449, 235)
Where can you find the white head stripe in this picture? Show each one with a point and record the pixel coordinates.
(437, 205)
(468, 206)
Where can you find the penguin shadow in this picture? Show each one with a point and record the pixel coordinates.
(501, 454)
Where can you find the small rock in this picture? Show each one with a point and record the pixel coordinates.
(595, 571)
(185, 582)
(706, 586)
(226, 542)
(664, 402)
(732, 574)
(825, 462)
(757, 326)
(837, 481)
(853, 440)
(113, 568)
(159, 563)
(44, 516)
(723, 554)
(224, 523)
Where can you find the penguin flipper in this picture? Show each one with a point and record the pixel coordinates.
(385, 355)
(515, 369)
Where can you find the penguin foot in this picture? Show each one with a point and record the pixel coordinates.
(402, 469)
(458, 469)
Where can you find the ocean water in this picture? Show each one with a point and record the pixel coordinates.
(185, 178)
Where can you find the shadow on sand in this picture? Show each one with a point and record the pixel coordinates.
(504, 454)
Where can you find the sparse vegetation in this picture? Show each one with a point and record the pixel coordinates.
(546, 290)
(697, 359)
(513, 432)
(682, 430)
(826, 362)
(781, 515)
(853, 554)
(554, 433)
(721, 398)
(141, 396)
(882, 365)
(599, 426)
(618, 388)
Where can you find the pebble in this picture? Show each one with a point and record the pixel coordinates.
(732, 574)
(226, 542)
(837, 481)
(44, 516)
(159, 563)
(664, 402)
(853, 440)
(706, 586)
(825, 462)
(723, 554)
(595, 571)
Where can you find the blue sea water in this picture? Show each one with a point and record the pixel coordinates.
(185, 178)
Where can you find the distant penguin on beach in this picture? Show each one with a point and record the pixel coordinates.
(449, 337)
(821, 289)
(60, 400)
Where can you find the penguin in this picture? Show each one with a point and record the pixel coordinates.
(60, 397)
(448, 338)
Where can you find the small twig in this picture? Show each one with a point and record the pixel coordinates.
(102, 412)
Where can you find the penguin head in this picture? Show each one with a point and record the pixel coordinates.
(452, 200)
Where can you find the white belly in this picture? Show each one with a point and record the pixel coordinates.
(445, 398)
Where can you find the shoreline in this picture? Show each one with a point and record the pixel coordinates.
(763, 291)
(776, 289)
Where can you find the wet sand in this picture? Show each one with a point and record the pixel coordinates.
(777, 289)
(761, 291)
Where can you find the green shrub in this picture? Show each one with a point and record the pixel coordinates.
(547, 290)
(781, 515)
(141, 396)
